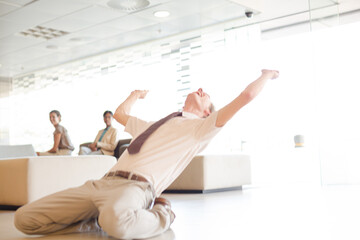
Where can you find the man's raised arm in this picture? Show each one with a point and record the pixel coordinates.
(250, 92)
(122, 113)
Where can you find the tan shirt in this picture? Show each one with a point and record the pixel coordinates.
(108, 142)
(167, 151)
(65, 142)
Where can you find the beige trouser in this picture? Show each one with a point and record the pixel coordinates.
(121, 206)
(87, 151)
(58, 152)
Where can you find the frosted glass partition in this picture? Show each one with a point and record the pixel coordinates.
(5, 86)
(323, 14)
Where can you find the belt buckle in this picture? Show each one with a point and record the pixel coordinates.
(130, 176)
(117, 173)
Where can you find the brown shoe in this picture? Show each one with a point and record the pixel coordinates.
(166, 203)
(163, 201)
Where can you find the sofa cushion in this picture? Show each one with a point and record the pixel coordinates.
(13, 151)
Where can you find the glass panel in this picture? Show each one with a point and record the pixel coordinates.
(335, 55)
(336, 95)
(5, 86)
(323, 14)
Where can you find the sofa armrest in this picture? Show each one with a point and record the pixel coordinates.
(32, 178)
(13, 181)
(121, 147)
(214, 172)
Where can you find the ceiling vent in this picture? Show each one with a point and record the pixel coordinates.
(42, 32)
(128, 5)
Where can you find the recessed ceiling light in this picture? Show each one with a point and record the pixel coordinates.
(161, 14)
(52, 47)
(76, 39)
(81, 39)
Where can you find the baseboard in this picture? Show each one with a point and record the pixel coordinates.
(8, 207)
(202, 191)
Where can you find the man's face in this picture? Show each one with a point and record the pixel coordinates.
(199, 101)
(108, 119)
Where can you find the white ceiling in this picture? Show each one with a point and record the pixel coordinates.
(92, 27)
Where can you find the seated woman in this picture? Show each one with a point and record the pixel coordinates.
(105, 141)
(62, 142)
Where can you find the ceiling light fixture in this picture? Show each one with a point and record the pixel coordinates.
(161, 14)
(128, 5)
(81, 39)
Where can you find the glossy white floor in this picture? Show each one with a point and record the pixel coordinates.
(281, 212)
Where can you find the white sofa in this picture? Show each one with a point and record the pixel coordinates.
(26, 179)
(211, 173)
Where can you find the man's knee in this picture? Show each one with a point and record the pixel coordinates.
(117, 225)
(24, 221)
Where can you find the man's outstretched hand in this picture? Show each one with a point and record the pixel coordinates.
(122, 112)
(140, 94)
(271, 74)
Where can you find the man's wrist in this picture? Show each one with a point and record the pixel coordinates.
(135, 94)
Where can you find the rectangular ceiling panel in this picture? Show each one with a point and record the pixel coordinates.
(8, 27)
(59, 8)
(97, 14)
(17, 3)
(99, 31)
(32, 17)
(27, 54)
(14, 43)
(6, 8)
(68, 24)
(131, 22)
(226, 12)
